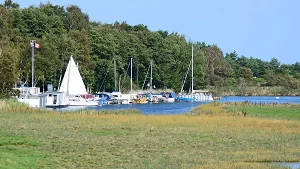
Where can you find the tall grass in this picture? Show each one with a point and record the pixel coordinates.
(212, 108)
(270, 110)
(82, 140)
(122, 111)
(9, 103)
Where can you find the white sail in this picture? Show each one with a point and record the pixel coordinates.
(72, 83)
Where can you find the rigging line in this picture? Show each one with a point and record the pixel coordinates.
(125, 75)
(185, 77)
(146, 76)
(103, 81)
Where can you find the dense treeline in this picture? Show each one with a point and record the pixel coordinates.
(63, 32)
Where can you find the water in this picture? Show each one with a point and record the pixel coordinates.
(263, 99)
(183, 107)
(148, 109)
(291, 165)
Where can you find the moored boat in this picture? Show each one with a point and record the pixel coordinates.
(168, 97)
(140, 99)
(185, 98)
(119, 98)
(72, 90)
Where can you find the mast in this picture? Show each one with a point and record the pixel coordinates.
(131, 75)
(192, 68)
(137, 74)
(68, 84)
(115, 71)
(185, 77)
(120, 83)
(151, 76)
(146, 77)
(32, 44)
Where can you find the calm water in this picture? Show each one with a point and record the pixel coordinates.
(182, 107)
(291, 165)
(263, 99)
(148, 109)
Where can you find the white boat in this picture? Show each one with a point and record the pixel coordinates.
(102, 98)
(56, 99)
(155, 98)
(29, 95)
(72, 88)
(168, 97)
(78, 100)
(196, 95)
(119, 98)
(202, 96)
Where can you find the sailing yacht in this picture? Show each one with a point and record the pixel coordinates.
(72, 88)
(117, 96)
(196, 95)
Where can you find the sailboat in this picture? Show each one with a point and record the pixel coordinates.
(72, 91)
(116, 96)
(72, 83)
(153, 97)
(200, 95)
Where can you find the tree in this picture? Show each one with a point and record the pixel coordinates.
(232, 58)
(8, 54)
(246, 74)
(215, 65)
(63, 32)
(10, 4)
(76, 20)
(274, 64)
(9, 72)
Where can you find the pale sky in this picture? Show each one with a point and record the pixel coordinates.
(259, 28)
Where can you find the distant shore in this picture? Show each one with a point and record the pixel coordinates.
(254, 91)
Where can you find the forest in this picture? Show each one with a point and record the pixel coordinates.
(64, 31)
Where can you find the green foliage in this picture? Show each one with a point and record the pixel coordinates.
(246, 74)
(9, 55)
(10, 4)
(8, 70)
(75, 19)
(63, 32)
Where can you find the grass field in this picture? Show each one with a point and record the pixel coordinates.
(208, 139)
(271, 111)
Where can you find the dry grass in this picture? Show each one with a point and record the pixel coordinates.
(2, 104)
(64, 140)
(214, 108)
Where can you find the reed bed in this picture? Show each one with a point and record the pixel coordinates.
(124, 112)
(206, 140)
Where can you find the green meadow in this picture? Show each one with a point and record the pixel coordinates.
(214, 136)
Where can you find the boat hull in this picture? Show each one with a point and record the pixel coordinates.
(83, 103)
(57, 106)
(140, 101)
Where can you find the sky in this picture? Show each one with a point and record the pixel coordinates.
(263, 29)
